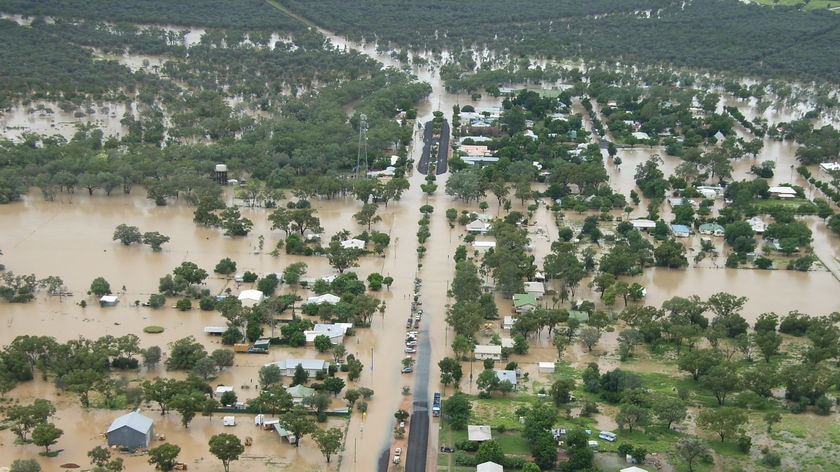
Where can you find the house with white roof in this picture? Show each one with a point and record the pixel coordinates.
(509, 375)
(478, 433)
(782, 192)
(311, 366)
(325, 298)
(478, 227)
(353, 244)
(537, 289)
(488, 351)
(489, 466)
(250, 297)
(334, 331)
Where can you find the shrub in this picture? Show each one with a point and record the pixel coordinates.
(153, 329)
(184, 304)
(771, 459)
(823, 406)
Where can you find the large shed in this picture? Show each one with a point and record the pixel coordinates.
(131, 430)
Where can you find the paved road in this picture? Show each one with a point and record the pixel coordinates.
(443, 149)
(418, 434)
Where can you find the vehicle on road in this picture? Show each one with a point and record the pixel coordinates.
(407, 370)
(411, 343)
(436, 405)
(411, 350)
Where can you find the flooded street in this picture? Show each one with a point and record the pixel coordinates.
(72, 238)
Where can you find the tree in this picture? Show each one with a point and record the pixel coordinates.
(154, 240)
(25, 465)
(190, 273)
(490, 451)
(234, 223)
(227, 448)
(329, 441)
(100, 287)
(301, 376)
(561, 391)
(771, 418)
(631, 415)
(457, 410)
(225, 266)
(367, 215)
(297, 422)
(22, 418)
(127, 235)
(721, 380)
(723, 421)
(768, 343)
(669, 410)
(184, 354)
(699, 361)
(589, 337)
(46, 434)
(487, 381)
(322, 343)
(334, 385)
(671, 254)
(342, 258)
(164, 457)
(99, 456)
(692, 449)
(151, 356)
(270, 375)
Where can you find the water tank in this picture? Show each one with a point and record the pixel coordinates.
(220, 175)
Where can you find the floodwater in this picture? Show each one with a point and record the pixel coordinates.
(71, 238)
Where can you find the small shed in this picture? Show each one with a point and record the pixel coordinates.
(108, 300)
(478, 433)
(489, 466)
(215, 330)
(132, 430)
(507, 323)
(229, 420)
(221, 389)
(546, 367)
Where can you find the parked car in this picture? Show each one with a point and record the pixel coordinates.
(398, 451)
(411, 343)
(411, 350)
(447, 449)
(407, 370)
(608, 436)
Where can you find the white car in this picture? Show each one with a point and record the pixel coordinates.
(411, 350)
(411, 343)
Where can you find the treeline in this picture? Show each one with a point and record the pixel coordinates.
(250, 14)
(724, 35)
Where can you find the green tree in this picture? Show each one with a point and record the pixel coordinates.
(367, 215)
(457, 410)
(342, 258)
(724, 421)
(190, 272)
(490, 451)
(25, 465)
(301, 376)
(721, 380)
(631, 416)
(589, 337)
(334, 385)
(155, 240)
(225, 266)
(222, 358)
(234, 223)
(227, 448)
(100, 287)
(46, 434)
(127, 235)
(297, 422)
(164, 457)
(21, 419)
(329, 441)
(561, 391)
(669, 410)
(99, 456)
(692, 449)
(184, 354)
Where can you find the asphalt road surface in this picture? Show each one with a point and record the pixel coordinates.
(443, 149)
(418, 434)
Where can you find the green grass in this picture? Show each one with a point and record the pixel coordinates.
(811, 5)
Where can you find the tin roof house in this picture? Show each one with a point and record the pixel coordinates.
(131, 430)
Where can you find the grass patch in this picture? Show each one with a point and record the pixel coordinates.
(153, 329)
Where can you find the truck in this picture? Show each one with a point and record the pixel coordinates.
(249, 349)
(436, 405)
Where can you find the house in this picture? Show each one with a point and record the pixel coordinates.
(507, 323)
(215, 330)
(509, 375)
(676, 201)
(829, 167)
(250, 297)
(711, 228)
(488, 351)
(288, 435)
(507, 343)
(710, 191)
(221, 389)
(478, 227)
(640, 135)
(757, 224)
(334, 331)
(108, 300)
(545, 367)
(299, 393)
(325, 298)
(782, 192)
(681, 231)
(478, 433)
(228, 421)
(524, 302)
(484, 244)
(353, 244)
(489, 466)
(643, 224)
(537, 289)
(131, 430)
(311, 366)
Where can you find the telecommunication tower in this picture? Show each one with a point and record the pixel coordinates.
(361, 157)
